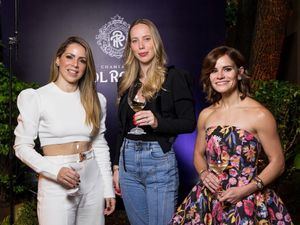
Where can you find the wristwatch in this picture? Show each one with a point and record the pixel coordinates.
(259, 184)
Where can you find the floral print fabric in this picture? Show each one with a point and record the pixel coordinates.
(239, 149)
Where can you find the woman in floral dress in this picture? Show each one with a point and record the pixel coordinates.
(231, 134)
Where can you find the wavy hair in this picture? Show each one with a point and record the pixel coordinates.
(208, 65)
(88, 94)
(157, 70)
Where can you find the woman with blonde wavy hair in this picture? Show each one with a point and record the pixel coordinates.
(68, 116)
(145, 167)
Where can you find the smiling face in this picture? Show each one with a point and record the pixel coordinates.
(141, 44)
(72, 64)
(224, 76)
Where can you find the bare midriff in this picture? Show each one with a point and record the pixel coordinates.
(67, 148)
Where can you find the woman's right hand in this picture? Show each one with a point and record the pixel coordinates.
(210, 180)
(68, 177)
(116, 182)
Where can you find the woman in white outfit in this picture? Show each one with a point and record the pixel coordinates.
(68, 116)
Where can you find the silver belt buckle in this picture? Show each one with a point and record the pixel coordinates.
(86, 155)
(82, 156)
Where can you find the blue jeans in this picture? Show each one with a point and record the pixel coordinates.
(149, 185)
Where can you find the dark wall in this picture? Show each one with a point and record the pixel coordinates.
(189, 30)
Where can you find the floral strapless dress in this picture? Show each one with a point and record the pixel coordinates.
(239, 149)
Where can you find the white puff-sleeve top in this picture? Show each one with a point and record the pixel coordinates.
(58, 117)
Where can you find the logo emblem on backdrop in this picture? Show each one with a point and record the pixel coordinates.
(112, 37)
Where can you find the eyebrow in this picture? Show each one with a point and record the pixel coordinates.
(147, 35)
(75, 55)
(224, 66)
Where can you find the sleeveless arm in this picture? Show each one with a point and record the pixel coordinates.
(27, 131)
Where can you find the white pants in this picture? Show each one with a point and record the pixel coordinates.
(56, 207)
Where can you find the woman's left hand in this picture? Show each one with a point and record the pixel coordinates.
(232, 195)
(145, 117)
(110, 204)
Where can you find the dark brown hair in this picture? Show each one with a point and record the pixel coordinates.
(208, 65)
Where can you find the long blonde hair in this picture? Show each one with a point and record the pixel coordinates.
(88, 94)
(157, 70)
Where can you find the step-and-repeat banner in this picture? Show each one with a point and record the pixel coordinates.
(189, 29)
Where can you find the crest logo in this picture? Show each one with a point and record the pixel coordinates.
(112, 37)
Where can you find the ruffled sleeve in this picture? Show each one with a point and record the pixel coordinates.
(101, 150)
(27, 131)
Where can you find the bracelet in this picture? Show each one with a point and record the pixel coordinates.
(259, 183)
(257, 178)
(202, 171)
(115, 168)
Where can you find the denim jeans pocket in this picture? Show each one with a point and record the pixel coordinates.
(157, 153)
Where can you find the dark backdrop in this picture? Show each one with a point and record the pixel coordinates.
(189, 29)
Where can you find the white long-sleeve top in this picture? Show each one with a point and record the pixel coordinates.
(58, 117)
